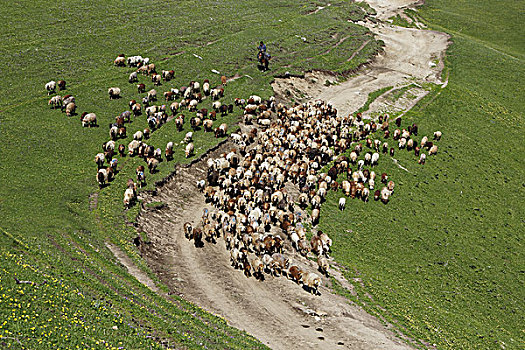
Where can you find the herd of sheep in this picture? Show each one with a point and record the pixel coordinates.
(307, 146)
(67, 103)
(179, 99)
(156, 114)
(256, 214)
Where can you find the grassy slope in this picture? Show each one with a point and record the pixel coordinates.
(49, 235)
(444, 259)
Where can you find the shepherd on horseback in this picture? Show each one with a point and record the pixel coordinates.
(263, 57)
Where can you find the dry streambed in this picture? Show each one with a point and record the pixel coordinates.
(277, 311)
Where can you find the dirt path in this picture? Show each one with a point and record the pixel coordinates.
(277, 311)
(410, 56)
(133, 270)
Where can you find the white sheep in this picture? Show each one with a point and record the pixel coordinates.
(55, 101)
(156, 79)
(110, 145)
(189, 149)
(437, 135)
(323, 265)
(365, 194)
(215, 94)
(88, 119)
(152, 164)
(424, 141)
(114, 92)
(100, 159)
(385, 195)
(196, 87)
(113, 132)
(133, 146)
(315, 216)
(422, 158)
(120, 61)
(433, 150)
(256, 99)
(138, 135)
(174, 107)
(70, 109)
(151, 110)
(216, 105)
(129, 196)
(152, 95)
(67, 100)
(342, 203)
(187, 93)
(193, 105)
(265, 122)
(368, 158)
(312, 281)
(375, 158)
(51, 86)
(189, 137)
(133, 77)
(353, 157)
(102, 177)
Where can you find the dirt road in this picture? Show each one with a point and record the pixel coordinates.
(277, 311)
(411, 56)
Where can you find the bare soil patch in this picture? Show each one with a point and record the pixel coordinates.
(410, 55)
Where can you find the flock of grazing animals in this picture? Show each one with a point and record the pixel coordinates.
(247, 184)
(157, 115)
(187, 97)
(67, 103)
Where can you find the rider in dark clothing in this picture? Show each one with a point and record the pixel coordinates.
(262, 56)
(262, 47)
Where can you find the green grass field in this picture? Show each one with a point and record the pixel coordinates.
(80, 297)
(443, 260)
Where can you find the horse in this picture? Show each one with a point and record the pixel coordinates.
(263, 60)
